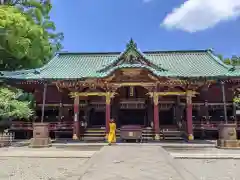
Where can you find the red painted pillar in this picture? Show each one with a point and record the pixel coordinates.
(189, 115)
(156, 117)
(108, 112)
(76, 118)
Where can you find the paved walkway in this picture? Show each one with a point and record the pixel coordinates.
(117, 162)
(196, 143)
(25, 152)
(19, 168)
(203, 153)
(133, 163)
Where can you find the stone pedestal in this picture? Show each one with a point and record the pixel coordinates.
(40, 136)
(227, 136)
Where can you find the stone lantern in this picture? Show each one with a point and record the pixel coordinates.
(41, 130)
(227, 131)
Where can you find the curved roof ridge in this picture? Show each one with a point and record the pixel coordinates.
(45, 66)
(28, 71)
(213, 56)
(89, 53)
(132, 47)
(176, 51)
(142, 52)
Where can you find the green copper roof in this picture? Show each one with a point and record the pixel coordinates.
(234, 72)
(186, 64)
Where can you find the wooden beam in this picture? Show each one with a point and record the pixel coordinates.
(86, 94)
(191, 93)
(122, 84)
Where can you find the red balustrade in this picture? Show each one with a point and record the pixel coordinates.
(53, 126)
(68, 125)
(20, 125)
(212, 125)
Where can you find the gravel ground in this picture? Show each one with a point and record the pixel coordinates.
(129, 162)
(40, 168)
(212, 169)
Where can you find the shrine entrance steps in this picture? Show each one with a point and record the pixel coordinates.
(172, 134)
(96, 134)
(99, 135)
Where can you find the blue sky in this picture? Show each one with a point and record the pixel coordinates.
(107, 25)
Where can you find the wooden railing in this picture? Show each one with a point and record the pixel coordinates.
(213, 125)
(56, 126)
(53, 126)
(20, 125)
(60, 126)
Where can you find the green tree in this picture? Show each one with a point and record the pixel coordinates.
(24, 41)
(234, 60)
(11, 107)
(31, 39)
(227, 61)
(27, 40)
(17, 52)
(39, 11)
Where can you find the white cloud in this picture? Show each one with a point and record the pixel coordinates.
(198, 15)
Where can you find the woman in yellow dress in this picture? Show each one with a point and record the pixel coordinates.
(112, 132)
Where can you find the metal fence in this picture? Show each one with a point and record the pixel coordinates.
(6, 138)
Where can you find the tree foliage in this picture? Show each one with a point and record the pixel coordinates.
(10, 106)
(29, 39)
(234, 60)
(23, 41)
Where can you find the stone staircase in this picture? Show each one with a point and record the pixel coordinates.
(94, 134)
(172, 134)
(148, 134)
(98, 134)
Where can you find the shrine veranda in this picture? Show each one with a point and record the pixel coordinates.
(163, 91)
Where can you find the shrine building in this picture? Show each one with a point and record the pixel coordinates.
(170, 94)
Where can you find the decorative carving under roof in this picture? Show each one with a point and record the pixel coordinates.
(132, 55)
(132, 58)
